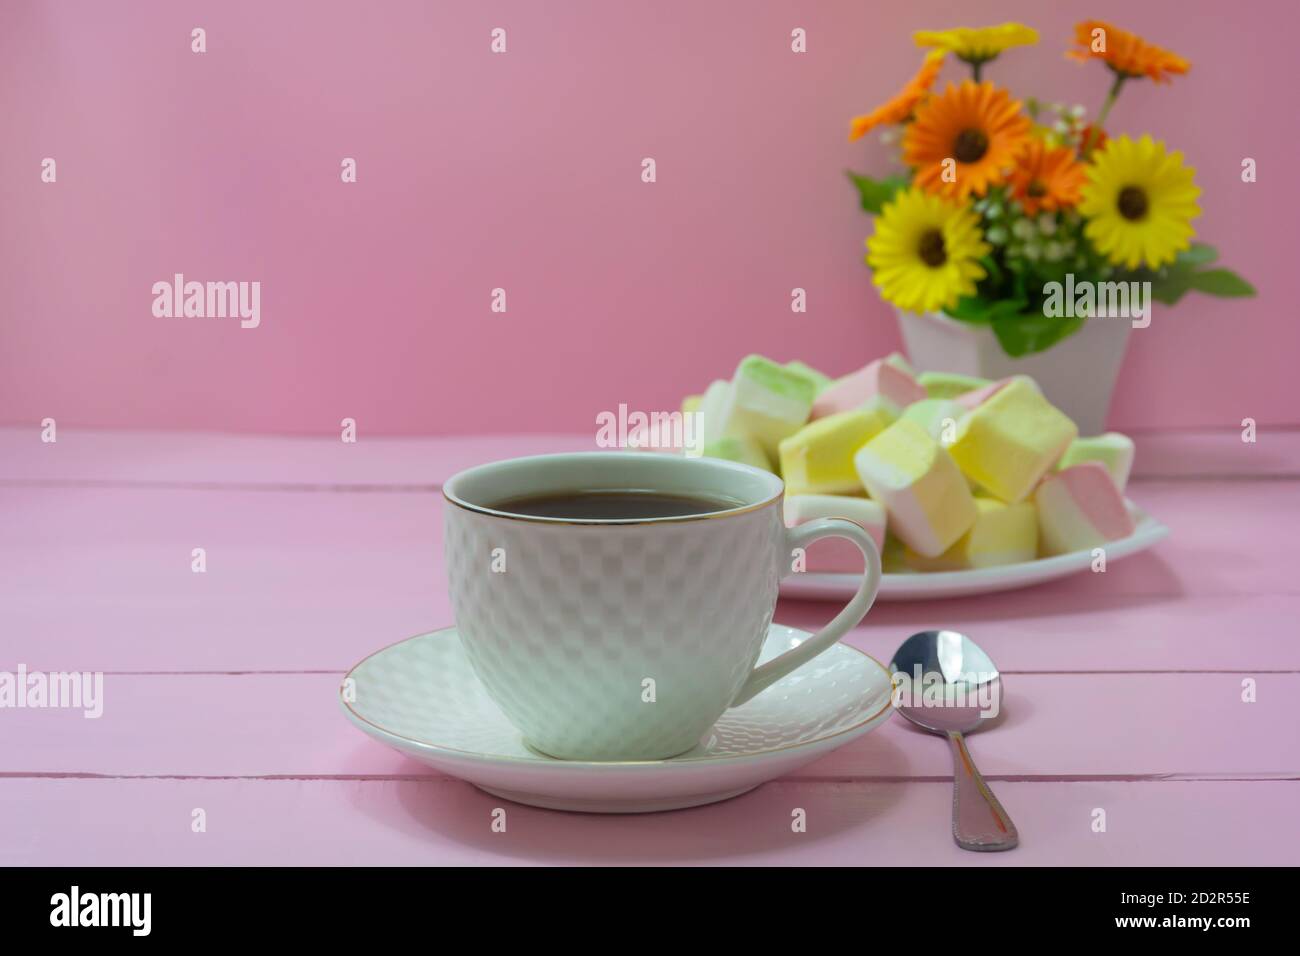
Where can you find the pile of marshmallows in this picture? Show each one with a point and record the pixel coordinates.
(947, 472)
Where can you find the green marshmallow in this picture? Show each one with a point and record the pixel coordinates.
(949, 384)
(767, 402)
(740, 448)
(820, 382)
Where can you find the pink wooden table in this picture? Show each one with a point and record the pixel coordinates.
(1125, 690)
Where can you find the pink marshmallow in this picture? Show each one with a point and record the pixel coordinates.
(836, 555)
(856, 389)
(975, 397)
(1079, 508)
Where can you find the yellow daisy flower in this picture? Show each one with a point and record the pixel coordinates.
(925, 252)
(978, 44)
(1139, 202)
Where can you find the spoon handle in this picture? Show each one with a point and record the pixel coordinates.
(978, 820)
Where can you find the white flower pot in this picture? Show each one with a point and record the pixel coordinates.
(1077, 374)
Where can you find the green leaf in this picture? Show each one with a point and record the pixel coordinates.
(1221, 282)
(1025, 334)
(1199, 254)
(995, 273)
(979, 311)
(874, 193)
(1171, 288)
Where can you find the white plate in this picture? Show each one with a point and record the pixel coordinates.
(423, 698)
(931, 585)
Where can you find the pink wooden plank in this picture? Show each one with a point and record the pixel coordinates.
(293, 581)
(1060, 627)
(100, 578)
(185, 457)
(349, 822)
(1067, 725)
(215, 459)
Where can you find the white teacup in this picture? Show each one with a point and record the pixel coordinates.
(626, 639)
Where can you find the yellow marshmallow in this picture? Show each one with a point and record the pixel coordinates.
(892, 556)
(1011, 440)
(818, 458)
(691, 403)
(1001, 534)
(928, 502)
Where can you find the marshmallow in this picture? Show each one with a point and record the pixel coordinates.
(820, 381)
(835, 554)
(1011, 440)
(1112, 449)
(893, 554)
(949, 384)
(925, 496)
(741, 448)
(936, 415)
(767, 402)
(1080, 508)
(977, 397)
(879, 379)
(712, 411)
(818, 458)
(900, 362)
(1001, 534)
(691, 403)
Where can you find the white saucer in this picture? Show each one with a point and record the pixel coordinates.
(932, 585)
(422, 698)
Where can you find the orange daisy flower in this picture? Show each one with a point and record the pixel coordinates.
(1046, 178)
(1126, 53)
(901, 106)
(964, 140)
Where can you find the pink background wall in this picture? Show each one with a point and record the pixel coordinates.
(522, 171)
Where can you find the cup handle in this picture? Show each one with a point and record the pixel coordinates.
(853, 612)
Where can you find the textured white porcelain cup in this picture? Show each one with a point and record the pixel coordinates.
(627, 639)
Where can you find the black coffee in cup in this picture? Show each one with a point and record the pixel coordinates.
(613, 504)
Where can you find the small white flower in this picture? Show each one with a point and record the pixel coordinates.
(1022, 229)
(1032, 251)
(1047, 224)
(1053, 251)
(997, 235)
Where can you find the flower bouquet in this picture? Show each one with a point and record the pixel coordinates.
(1024, 217)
